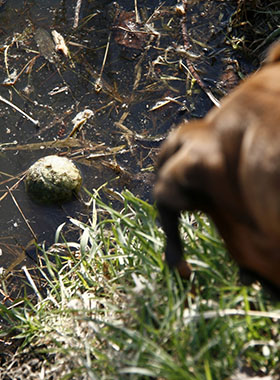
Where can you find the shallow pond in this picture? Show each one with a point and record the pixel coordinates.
(128, 67)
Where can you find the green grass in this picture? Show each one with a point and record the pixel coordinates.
(113, 310)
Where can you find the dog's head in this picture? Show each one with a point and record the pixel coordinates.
(224, 165)
(189, 165)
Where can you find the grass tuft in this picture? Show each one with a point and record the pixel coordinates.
(113, 310)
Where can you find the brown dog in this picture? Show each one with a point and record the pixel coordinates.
(228, 166)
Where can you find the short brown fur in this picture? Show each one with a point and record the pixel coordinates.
(228, 165)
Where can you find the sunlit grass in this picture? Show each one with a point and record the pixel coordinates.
(113, 310)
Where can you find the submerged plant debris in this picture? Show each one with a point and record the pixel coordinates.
(129, 32)
(45, 44)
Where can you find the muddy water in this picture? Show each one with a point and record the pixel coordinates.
(136, 94)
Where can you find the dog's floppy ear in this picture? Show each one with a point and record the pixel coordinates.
(190, 166)
(173, 250)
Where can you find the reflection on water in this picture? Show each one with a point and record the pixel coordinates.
(125, 68)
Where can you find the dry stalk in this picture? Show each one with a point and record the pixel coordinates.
(137, 17)
(98, 82)
(22, 214)
(36, 122)
(189, 66)
(14, 185)
(77, 14)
